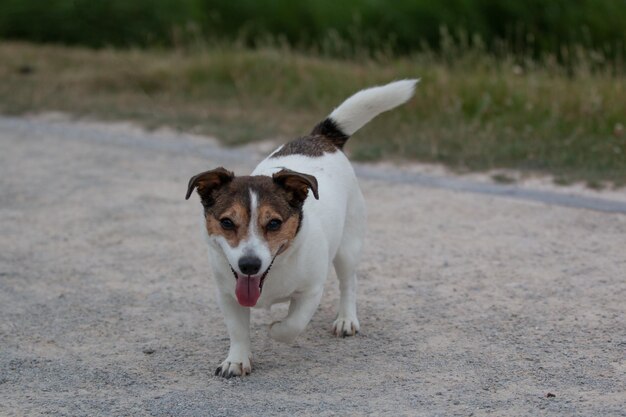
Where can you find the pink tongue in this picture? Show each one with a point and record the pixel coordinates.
(247, 290)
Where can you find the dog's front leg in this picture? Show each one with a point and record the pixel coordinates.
(301, 309)
(239, 360)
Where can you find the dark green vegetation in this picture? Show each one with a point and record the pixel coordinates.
(471, 110)
(340, 28)
(534, 85)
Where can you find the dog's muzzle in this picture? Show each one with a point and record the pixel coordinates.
(248, 288)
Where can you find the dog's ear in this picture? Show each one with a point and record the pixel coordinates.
(208, 181)
(296, 184)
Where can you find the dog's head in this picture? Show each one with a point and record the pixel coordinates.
(253, 219)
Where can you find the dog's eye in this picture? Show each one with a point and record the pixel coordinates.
(227, 224)
(274, 225)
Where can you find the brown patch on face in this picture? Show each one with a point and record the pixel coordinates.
(278, 240)
(239, 215)
(231, 201)
(277, 198)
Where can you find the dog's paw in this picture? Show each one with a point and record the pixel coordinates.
(345, 326)
(281, 332)
(229, 369)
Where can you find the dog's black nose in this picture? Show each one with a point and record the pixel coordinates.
(249, 265)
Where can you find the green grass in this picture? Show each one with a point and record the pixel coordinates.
(334, 27)
(471, 111)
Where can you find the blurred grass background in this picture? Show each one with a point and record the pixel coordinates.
(403, 26)
(534, 86)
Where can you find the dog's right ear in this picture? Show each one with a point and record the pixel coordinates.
(297, 183)
(208, 181)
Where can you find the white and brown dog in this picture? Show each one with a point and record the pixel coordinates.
(268, 221)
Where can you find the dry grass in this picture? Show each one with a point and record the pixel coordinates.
(471, 111)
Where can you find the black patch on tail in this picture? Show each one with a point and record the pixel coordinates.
(326, 137)
(313, 146)
(328, 128)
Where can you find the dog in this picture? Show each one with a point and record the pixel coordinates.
(274, 235)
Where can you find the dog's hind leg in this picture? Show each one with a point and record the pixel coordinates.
(301, 309)
(346, 262)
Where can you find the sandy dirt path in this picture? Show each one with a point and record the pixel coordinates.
(470, 303)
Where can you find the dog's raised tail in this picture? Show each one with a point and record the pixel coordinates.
(362, 107)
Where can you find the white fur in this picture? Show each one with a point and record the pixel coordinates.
(331, 234)
(362, 107)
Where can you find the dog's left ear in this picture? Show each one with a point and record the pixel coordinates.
(297, 184)
(208, 181)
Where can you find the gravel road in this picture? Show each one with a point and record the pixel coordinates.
(470, 302)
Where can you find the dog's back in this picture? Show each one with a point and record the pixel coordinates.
(321, 154)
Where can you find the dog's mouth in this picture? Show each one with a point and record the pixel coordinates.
(248, 288)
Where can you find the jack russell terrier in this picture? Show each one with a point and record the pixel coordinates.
(270, 242)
